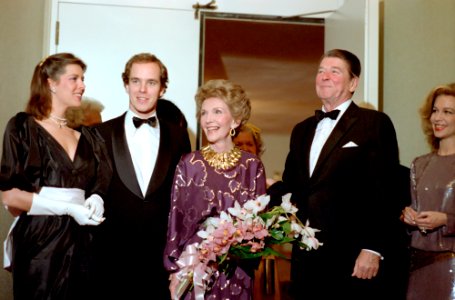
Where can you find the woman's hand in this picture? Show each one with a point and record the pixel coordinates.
(424, 220)
(429, 220)
(17, 201)
(408, 216)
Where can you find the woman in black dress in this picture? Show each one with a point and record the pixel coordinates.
(53, 179)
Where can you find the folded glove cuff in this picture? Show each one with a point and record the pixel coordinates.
(96, 197)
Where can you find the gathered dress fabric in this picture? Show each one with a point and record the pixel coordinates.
(432, 274)
(51, 255)
(200, 192)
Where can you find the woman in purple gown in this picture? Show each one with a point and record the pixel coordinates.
(53, 179)
(431, 216)
(209, 180)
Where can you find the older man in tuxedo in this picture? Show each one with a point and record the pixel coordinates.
(145, 144)
(340, 170)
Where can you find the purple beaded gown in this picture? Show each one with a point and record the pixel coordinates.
(200, 191)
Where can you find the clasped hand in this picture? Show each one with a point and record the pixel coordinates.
(95, 205)
(68, 201)
(424, 220)
(91, 213)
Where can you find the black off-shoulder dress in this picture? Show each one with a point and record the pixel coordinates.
(52, 255)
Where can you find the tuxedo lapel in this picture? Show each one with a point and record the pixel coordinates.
(122, 157)
(341, 129)
(308, 135)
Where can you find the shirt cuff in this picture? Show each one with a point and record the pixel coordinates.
(374, 252)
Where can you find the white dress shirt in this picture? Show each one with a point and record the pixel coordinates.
(323, 131)
(143, 143)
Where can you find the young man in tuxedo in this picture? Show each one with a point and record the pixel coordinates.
(340, 170)
(145, 144)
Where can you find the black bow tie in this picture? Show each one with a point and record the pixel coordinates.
(138, 121)
(319, 114)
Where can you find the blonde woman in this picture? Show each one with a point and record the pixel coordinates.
(209, 180)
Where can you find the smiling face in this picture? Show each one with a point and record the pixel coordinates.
(443, 117)
(68, 89)
(334, 82)
(144, 88)
(216, 120)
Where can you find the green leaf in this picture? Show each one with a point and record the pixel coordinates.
(222, 258)
(266, 216)
(244, 252)
(287, 239)
(277, 234)
(286, 227)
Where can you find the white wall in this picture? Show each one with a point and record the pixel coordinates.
(418, 53)
(276, 150)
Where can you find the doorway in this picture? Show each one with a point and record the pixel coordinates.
(275, 60)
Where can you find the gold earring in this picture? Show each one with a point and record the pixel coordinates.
(232, 132)
(53, 90)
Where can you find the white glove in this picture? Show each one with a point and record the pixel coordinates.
(83, 215)
(96, 206)
(73, 195)
(44, 206)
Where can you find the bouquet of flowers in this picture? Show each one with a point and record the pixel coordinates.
(244, 232)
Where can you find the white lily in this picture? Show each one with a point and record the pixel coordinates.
(258, 204)
(203, 234)
(270, 221)
(287, 205)
(225, 217)
(209, 229)
(282, 218)
(310, 242)
(212, 222)
(237, 211)
(309, 231)
(296, 229)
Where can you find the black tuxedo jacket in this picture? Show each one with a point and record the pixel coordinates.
(349, 196)
(132, 238)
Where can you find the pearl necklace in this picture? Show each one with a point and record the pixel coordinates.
(61, 122)
(223, 160)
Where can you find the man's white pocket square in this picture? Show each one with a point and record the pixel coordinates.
(350, 145)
